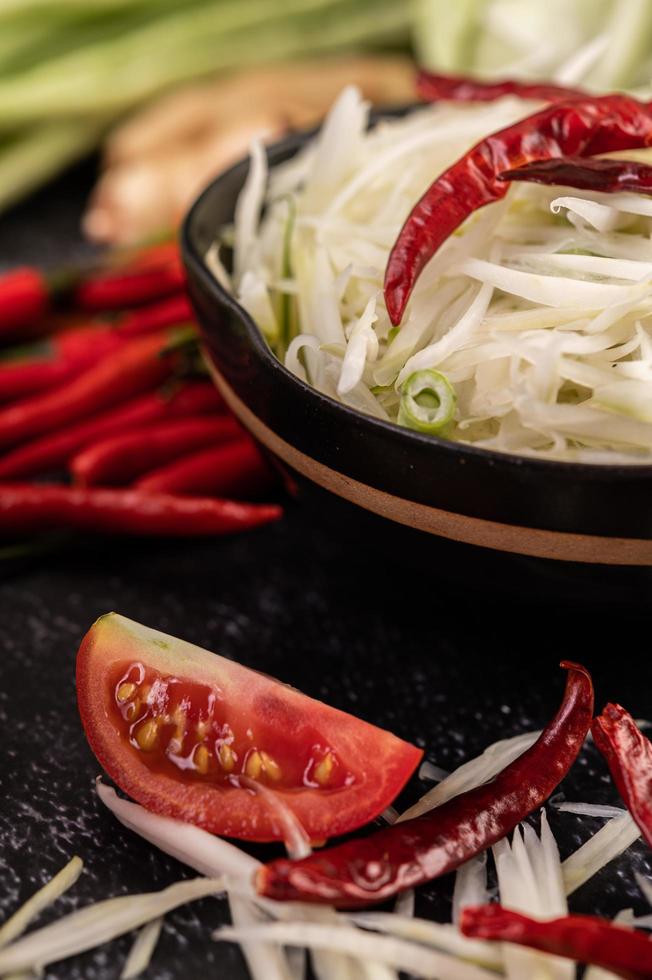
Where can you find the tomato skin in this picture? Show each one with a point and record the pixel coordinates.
(380, 763)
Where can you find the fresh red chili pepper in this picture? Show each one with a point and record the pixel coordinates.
(134, 368)
(583, 127)
(594, 174)
(21, 379)
(584, 938)
(234, 470)
(460, 88)
(144, 256)
(629, 757)
(121, 458)
(121, 288)
(28, 507)
(27, 293)
(24, 298)
(165, 313)
(33, 375)
(53, 451)
(411, 852)
(72, 351)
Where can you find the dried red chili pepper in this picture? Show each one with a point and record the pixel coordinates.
(134, 368)
(28, 507)
(411, 852)
(24, 298)
(629, 757)
(583, 127)
(584, 938)
(53, 451)
(121, 288)
(459, 88)
(121, 458)
(234, 470)
(594, 174)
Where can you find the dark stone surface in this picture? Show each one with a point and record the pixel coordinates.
(446, 666)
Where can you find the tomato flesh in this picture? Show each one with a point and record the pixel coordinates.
(177, 728)
(184, 728)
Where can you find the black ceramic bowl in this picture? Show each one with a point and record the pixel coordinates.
(353, 465)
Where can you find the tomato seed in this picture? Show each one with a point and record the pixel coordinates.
(324, 769)
(253, 765)
(202, 759)
(147, 734)
(125, 691)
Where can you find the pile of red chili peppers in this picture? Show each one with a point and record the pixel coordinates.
(107, 420)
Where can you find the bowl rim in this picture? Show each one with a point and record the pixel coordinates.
(277, 152)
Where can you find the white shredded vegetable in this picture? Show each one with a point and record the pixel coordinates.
(430, 773)
(470, 885)
(609, 842)
(473, 773)
(98, 923)
(264, 960)
(530, 881)
(397, 953)
(210, 856)
(538, 309)
(247, 212)
(45, 896)
(442, 936)
(296, 840)
(405, 903)
(590, 809)
(142, 950)
(193, 846)
(645, 884)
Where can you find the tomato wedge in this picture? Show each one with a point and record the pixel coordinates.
(176, 726)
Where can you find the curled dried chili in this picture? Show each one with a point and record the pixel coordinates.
(581, 127)
(409, 853)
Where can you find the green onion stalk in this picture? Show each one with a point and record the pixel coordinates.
(70, 68)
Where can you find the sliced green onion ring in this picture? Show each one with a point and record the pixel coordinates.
(427, 401)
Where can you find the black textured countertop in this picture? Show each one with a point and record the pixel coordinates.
(443, 665)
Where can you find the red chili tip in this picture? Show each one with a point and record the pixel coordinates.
(397, 292)
(580, 668)
(612, 713)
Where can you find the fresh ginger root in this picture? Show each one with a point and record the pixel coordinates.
(157, 162)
